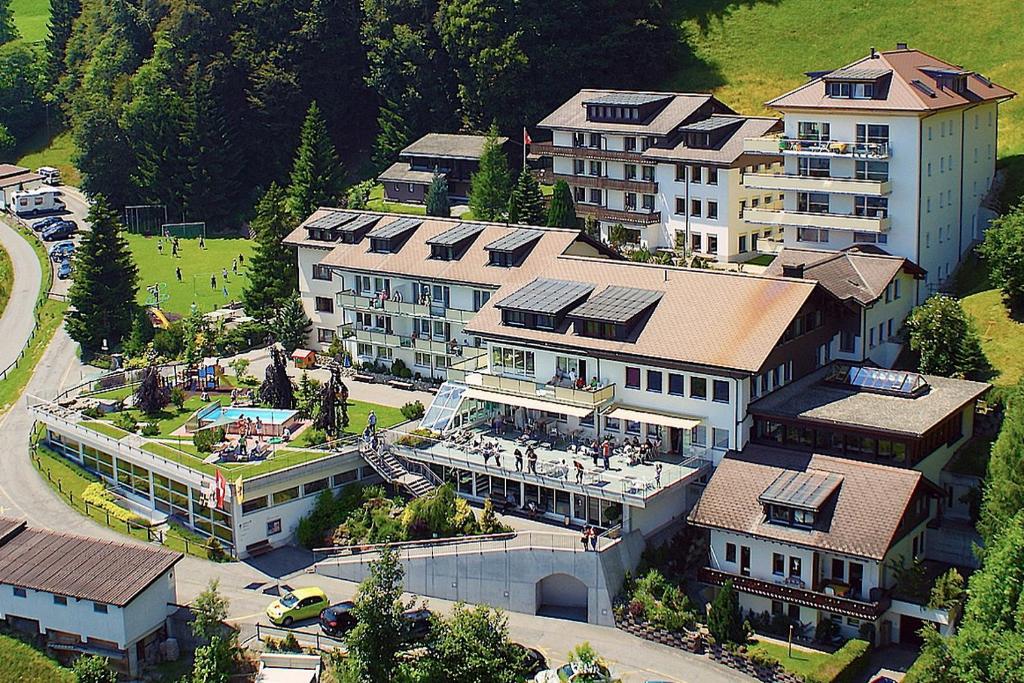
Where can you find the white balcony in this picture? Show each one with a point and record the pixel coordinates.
(802, 219)
(776, 144)
(587, 397)
(798, 183)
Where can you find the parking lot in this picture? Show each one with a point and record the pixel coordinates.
(76, 208)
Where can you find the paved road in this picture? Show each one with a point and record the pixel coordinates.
(17, 321)
(23, 494)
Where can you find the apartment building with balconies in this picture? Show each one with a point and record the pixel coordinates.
(896, 150)
(665, 166)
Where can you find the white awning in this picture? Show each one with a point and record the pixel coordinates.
(647, 417)
(526, 402)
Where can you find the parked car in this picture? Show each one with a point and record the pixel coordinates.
(64, 270)
(41, 225)
(575, 672)
(61, 251)
(533, 659)
(59, 231)
(299, 604)
(337, 620)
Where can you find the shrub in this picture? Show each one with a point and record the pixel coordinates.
(413, 410)
(94, 412)
(125, 421)
(205, 439)
(845, 666)
(416, 438)
(290, 644)
(97, 495)
(215, 549)
(826, 631)
(178, 397)
(762, 658)
(724, 617)
(150, 429)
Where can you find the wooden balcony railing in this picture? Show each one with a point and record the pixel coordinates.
(594, 153)
(800, 596)
(603, 213)
(606, 183)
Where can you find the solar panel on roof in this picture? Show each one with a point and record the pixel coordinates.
(859, 73)
(710, 123)
(879, 380)
(546, 296)
(627, 99)
(331, 221)
(617, 304)
(519, 237)
(804, 490)
(923, 87)
(359, 222)
(395, 228)
(456, 234)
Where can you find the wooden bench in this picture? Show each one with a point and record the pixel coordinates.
(257, 549)
(401, 384)
(362, 377)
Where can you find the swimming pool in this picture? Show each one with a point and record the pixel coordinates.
(273, 422)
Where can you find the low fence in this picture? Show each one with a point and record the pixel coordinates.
(44, 293)
(319, 641)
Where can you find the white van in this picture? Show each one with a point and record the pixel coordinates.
(35, 202)
(50, 175)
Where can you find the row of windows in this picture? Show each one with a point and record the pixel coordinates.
(98, 607)
(307, 489)
(771, 380)
(698, 174)
(697, 209)
(677, 384)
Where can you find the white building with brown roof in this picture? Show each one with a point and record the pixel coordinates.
(807, 537)
(896, 149)
(81, 595)
(666, 166)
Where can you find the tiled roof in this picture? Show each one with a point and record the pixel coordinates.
(19, 178)
(79, 567)
(847, 274)
(901, 93)
(572, 115)
(811, 398)
(449, 145)
(862, 518)
(728, 150)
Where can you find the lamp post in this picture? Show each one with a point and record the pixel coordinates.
(791, 641)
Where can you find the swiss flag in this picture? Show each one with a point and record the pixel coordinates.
(527, 140)
(220, 489)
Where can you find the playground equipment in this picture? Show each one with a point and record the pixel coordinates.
(157, 295)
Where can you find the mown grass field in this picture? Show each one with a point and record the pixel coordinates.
(197, 266)
(1002, 337)
(57, 151)
(31, 17)
(21, 662)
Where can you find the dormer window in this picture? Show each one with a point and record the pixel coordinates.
(851, 90)
(542, 304)
(797, 499)
(857, 82)
(613, 313)
(451, 244)
(344, 226)
(389, 239)
(509, 251)
(627, 107)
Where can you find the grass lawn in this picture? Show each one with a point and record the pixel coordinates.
(21, 662)
(761, 260)
(30, 18)
(801, 663)
(197, 266)
(39, 149)
(377, 203)
(168, 419)
(1002, 337)
(6, 279)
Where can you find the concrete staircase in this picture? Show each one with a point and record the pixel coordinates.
(415, 478)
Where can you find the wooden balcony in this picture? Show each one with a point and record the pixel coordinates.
(800, 596)
(591, 153)
(606, 183)
(603, 213)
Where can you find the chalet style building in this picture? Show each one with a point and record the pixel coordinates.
(455, 156)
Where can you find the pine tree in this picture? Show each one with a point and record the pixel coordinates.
(105, 284)
(527, 203)
(291, 327)
(8, 31)
(316, 175)
(272, 269)
(437, 200)
(62, 17)
(562, 212)
(724, 618)
(491, 186)
(392, 136)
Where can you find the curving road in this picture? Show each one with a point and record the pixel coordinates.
(17, 321)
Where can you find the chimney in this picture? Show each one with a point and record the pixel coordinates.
(874, 53)
(794, 270)
(901, 46)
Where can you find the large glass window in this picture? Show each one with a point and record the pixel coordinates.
(516, 361)
(814, 167)
(812, 202)
(872, 132)
(813, 130)
(875, 207)
(872, 170)
(698, 388)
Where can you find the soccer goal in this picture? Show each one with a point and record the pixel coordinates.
(145, 219)
(184, 230)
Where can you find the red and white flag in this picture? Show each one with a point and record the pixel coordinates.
(527, 140)
(220, 489)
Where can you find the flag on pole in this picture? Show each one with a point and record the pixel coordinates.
(220, 489)
(527, 140)
(238, 491)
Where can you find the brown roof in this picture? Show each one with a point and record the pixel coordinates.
(11, 169)
(19, 178)
(861, 519)
(704, 317)
(812, 399)
(77, 566)
(572, 115)
(901, 94)
(401, 173)
(451, 145)
(413, 259)
(850, 274)
(727, 151)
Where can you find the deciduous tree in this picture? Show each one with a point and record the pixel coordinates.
(944, 336)
(472, 646)
(1003, 251)
(379, 633)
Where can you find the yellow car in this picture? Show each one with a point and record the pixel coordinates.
(301, 603)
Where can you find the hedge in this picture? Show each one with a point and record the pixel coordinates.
(96, 494)
(845, 665)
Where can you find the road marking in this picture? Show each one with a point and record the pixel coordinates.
(246, 617)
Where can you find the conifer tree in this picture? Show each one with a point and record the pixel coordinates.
(62, 17)
(316, 178)
(527, 203)
(8, 31)
(562, 212)
(392, 135)
(105, 284)
(272, 269)
(291, 327)
(438, 203)
(491, 186)
(1004, 486)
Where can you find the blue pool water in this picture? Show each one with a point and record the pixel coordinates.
(266, 415)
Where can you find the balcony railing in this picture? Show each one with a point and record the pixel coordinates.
(802, 183)
(361, 302)
(774, 144)
(472, 359)
(595, 153)
(603, 213)
(587, 398)
(806, 219)
(606, 183)
(835, 604)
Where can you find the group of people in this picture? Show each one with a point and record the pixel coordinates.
(238, 396)
(589, 538)
(247, 427)
(531, 460)
(574, 381)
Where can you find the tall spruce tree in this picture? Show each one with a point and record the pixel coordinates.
(562, 212)
(105, 283)
(392, 135)
(438, 203)
(291, 326)
(62, 16)
(8, 31)
(272, 269)
(316, 175)
(491, 186)
(527, 203)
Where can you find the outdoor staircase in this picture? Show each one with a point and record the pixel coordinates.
(414, 477)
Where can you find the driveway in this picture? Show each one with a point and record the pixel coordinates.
(17, 320)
